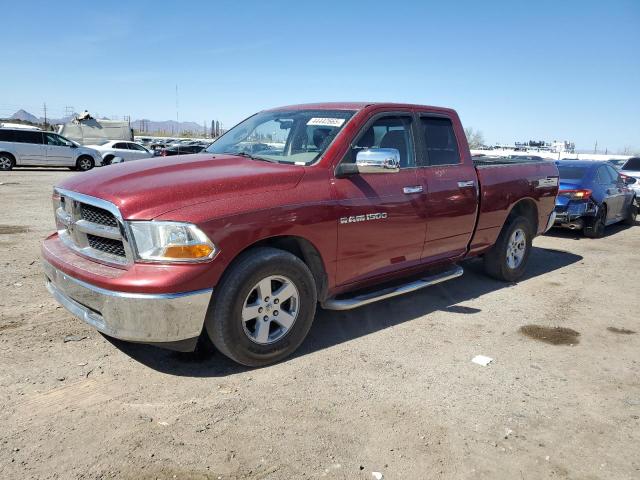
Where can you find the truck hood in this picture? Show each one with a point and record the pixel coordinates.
(145, 189)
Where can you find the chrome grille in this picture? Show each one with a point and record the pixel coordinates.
(107, 245)
(97, 215)
(92, 227)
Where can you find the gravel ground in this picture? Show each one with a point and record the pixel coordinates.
(386, 388)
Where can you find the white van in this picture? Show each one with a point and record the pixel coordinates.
(22, 148)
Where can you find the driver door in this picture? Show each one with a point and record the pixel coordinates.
(60, 151)
(381, 221)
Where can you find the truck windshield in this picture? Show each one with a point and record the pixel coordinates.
(285, 136)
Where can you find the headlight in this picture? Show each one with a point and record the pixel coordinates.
(170, 242)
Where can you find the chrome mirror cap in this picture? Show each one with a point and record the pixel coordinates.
(378, 160)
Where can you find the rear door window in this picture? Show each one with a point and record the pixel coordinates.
(440, 143)
(6, 136)
(28, 137)
(603, 177)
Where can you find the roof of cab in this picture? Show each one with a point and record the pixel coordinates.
(352, 106)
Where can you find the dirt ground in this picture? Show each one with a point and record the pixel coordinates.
(387, 388)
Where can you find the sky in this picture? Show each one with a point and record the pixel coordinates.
(515, 70)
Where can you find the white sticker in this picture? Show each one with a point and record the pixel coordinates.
(326, 122)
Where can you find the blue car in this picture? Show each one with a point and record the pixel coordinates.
(593, 195)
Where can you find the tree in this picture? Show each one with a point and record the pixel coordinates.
(475, 138)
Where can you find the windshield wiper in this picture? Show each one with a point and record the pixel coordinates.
(248, 155)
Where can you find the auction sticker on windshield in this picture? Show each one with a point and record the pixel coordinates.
(326, 122)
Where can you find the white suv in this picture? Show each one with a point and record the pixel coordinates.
(21, 148)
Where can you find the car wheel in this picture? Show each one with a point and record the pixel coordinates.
(107, 160)
(7, 162)
(632, 213)
(84, 163)
(263, 308)
(595, 227)
(507, 259)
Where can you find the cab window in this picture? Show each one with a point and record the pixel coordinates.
(392, 131)
(441, 147)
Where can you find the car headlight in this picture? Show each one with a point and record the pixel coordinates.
(170, 242)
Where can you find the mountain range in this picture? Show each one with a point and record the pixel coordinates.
(149, 126)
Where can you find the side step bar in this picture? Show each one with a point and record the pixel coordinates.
(359, 301)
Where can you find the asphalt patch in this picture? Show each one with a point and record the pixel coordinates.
(10, 229)
(621, 331)
(551, 335)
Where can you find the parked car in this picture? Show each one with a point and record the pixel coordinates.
(127, 151)
(362, 203)
(617, 163)
(631, 168)
(22, 148)
(592, 196)
(181, 150)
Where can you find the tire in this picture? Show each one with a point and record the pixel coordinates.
(507, 259)
(107, 160)
(595, 227)
(84, 163)
(7, 162)
(240, 294)
(632, 213)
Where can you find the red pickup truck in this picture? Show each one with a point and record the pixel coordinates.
(338, 203)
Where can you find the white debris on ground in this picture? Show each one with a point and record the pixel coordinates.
(482, 360)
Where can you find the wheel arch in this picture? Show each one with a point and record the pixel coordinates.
(299, 247)
(528, 208)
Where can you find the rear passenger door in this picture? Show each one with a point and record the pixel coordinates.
(450, 188)
(29, 147)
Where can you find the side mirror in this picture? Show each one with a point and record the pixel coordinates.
(378, 160)
(629, 180)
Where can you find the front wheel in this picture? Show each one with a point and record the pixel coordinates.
(507, 259)
(7, 162)
(84, 163)
(263, 308)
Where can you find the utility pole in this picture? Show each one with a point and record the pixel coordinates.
(45, 115)
(595, 148)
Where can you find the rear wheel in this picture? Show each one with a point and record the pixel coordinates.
(7, 162)
(263, 308)
(595, 227)
(508, 258)
(632, 213)
(84, 163)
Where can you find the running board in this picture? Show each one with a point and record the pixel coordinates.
(359, 301)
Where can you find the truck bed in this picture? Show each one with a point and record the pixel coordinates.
(503, 182)
(488, 161)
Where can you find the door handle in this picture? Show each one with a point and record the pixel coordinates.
(412, 189)
(469, 183)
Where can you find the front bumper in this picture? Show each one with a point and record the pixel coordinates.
(138, 317)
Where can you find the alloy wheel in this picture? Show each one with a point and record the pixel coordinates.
(270, 309)
(516, 248)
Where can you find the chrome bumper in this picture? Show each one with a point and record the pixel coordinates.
(136, 317)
